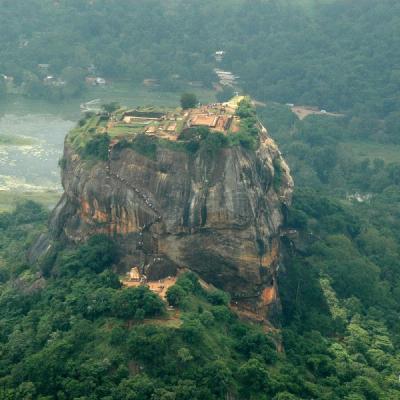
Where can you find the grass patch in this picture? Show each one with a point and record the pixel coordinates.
(118, 130)
(133, 95)
(370, 150)
(81, 135)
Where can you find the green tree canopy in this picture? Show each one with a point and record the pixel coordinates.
(188, 100)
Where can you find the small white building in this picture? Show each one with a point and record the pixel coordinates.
(49, 79)
(8, 79)
(100, 81)
(219, 55)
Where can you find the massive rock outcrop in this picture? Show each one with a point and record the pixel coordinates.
(216, 214)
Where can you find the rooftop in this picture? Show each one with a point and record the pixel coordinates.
(204, 120)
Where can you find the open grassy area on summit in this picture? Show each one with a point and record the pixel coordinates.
(212, 125)
(133, 94)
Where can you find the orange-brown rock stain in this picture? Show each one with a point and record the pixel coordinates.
(122, 222)
(271, 257)
(269, 295)
(93, 213)
(122, 228)
(117, 222)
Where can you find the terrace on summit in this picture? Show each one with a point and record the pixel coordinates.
(169, 124)
(161, 123)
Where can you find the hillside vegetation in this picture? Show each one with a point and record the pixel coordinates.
(69, 331)
(337, 55)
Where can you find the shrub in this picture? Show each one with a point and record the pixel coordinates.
(188, 100)
(192, 146)
(244, 140)
(245, 109)
(149, 344)
(285, 396)
(28, 212)
(247, 137)
(213, 143)
(99, 253)
(257, 343)
(97, 147)
(206, 318)
(218, 298)
(111, 107)
(191, 331)
(118, 336)
(62, 163)
(297, 219)
(222, 313)
(145, 146)
(82, 122)
(254, 377)
(278, 174)
(175, 295)
(110, 279)
(190, 283)
(136, 303)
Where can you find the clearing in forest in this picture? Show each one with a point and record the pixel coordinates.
(304, 111)
(159, 287)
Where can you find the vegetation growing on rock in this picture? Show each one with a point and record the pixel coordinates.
(143, 130)
(97, 147)
(62, 334)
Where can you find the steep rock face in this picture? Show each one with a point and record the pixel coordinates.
(216, 214)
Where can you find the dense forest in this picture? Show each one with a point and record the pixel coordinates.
(67, 328)
(69, 331)
(337, 55)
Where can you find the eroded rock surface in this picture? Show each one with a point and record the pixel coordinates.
(216, 214)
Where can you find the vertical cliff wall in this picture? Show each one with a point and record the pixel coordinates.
(218, 214)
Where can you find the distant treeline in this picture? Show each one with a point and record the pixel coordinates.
(338, 55)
